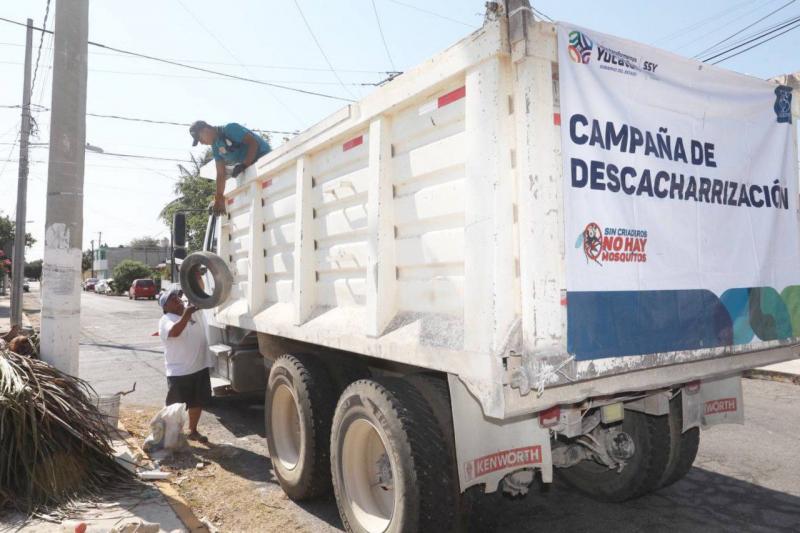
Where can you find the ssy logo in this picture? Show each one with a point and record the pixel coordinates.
(580, 47)
(783, 104)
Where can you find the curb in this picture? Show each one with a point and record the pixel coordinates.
(772, 375)
(174, 499)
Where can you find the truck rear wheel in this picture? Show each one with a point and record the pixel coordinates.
(683, 445)
(298, 411)
(641, 474)
(387, 459)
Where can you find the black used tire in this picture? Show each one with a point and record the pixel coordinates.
(415, 447)
(314, 398)
(684, 445)
(223, 279)
(641, 474)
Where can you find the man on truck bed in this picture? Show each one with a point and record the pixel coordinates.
(232, 144)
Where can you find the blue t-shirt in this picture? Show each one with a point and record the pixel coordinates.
(229, 145)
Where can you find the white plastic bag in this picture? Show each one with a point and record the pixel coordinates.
(166, 428)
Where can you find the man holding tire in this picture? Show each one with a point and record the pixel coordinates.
(186, 358)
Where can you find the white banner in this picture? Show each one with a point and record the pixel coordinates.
(678, 177)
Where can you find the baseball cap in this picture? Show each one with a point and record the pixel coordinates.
(194, 130)
(162, 300)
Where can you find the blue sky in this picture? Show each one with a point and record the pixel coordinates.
(123, 196)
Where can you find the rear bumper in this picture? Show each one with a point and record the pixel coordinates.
(644, 379)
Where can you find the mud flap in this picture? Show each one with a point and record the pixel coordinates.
(717, 401)
(488, 449)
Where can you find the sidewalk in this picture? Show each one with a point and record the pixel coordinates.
(5, 315)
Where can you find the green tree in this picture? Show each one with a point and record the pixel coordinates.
(145, 242)
(7, 234)
(86, 261)
(34, 269)
(127, 271)
(194, 193)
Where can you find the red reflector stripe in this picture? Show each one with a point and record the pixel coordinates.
(352, 143)
(557, 119)
(452, 96)
(265, 184)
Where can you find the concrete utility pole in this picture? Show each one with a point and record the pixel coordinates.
(92, 268)
(63, 241)
(18, 257)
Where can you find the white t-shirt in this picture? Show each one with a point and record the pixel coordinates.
(186, 353)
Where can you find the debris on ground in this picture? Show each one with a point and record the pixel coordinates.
(137, 526)
(55, 443)
(153, 475)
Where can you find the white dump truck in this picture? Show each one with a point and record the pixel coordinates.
(544, 251)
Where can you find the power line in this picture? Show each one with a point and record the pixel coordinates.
(41, 42)
(224, 63)
(190, 67)
(692, 27)
(146, 120)
(731, 36)
(321, 50)
(162, 75)
(797, 25)
(383, 37)
(541, 14)
(235, 58)
(721, 27)
(763, 34)
(433, 14)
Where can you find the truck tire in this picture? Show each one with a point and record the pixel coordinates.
(223, 279)
(387, 453)
(474, 510)
(298, 410)
(683, 445)
(641, 474)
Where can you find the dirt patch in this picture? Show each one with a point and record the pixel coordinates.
(224, 482)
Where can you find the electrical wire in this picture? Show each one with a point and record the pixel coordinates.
(190, 67)
(275, 97)
(728, 10)
(756, 38)
(719, 27)
(731, 36)
(146, 120)
(321, 50)
(383, 37)
(216, 78)
(797, 25)
(41, 43)
(433, 14)
(224, 63)
(542, 14)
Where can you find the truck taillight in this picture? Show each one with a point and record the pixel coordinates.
(693, 386)
(549, 417)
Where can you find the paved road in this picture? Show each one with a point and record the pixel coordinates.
(118, 349)
(746, 478)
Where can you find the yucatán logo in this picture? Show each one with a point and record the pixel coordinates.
(580, 47)
(613, 245)
(783, 104)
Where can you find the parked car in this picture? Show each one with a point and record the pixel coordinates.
(142, 288)
(89, 284)
(103, 287)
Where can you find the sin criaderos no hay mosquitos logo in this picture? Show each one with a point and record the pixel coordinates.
(613, 244)
(580, 47)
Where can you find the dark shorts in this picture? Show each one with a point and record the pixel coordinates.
(192, 389)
